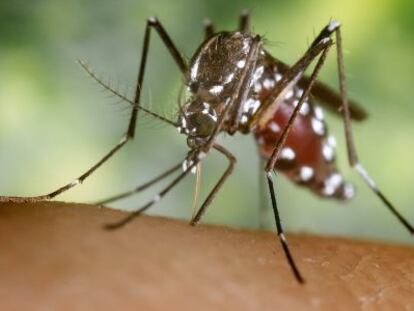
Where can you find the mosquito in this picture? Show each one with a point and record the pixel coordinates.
(235, 85)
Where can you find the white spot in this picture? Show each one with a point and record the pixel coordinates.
(299, 93)
(331, 141)
(229, 78)
(183, 129)
(205, 111)
(245, 45)
(283, 238)
(201, 155)
(328, 190)
(287, 153)
(268, 83)
(75, 183)
(241, 63)
(255, 105)
(251, 105)
(278, 77)
(274, 127)
(194, 71)
(331, 184)
(243, 119)
(289, 94)
(328, 152)
(306, 173)
(349, 191)
(318, 127)
(318, 112)
(257, 87)
(258, 73)
(333, 25)
(295, 102)
(364, 174)
(335, 180)
(216, 89)
(194, 170)
(305, 109)
(325, 40)
(156, 199)
(248, 104)
(186, 164)
(183, 122)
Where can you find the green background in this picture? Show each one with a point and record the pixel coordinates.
(55, 121)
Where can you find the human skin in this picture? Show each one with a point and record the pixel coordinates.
(57, 256)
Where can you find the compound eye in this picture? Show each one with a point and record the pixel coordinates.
(193, 87)
(202, 124)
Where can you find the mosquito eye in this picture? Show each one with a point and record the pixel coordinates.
(193, 87)
(202, 124)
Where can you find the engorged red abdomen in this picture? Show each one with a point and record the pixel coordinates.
(308, 156)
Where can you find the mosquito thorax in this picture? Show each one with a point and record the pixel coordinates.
(215, 70)
(217, 64)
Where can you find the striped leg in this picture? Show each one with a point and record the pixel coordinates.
(151, 23)
(352, 153)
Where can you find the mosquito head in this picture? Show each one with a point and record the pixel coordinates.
(197, 120)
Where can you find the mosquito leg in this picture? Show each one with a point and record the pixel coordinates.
(74, 183)
(327, 96)
(139, 188)
(352, 153)
(155, 200)
(272, 161)
(290, 77)
(280, 232)
(151, 23)
(263, 201)
(208, 29)
(244, 22)
(217, 187)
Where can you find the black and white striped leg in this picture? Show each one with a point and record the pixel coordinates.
(280, 232)
(140, 188)
(151, 23)
(352, 153)
(152, 202)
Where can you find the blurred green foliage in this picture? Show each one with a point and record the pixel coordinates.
(55, 122)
